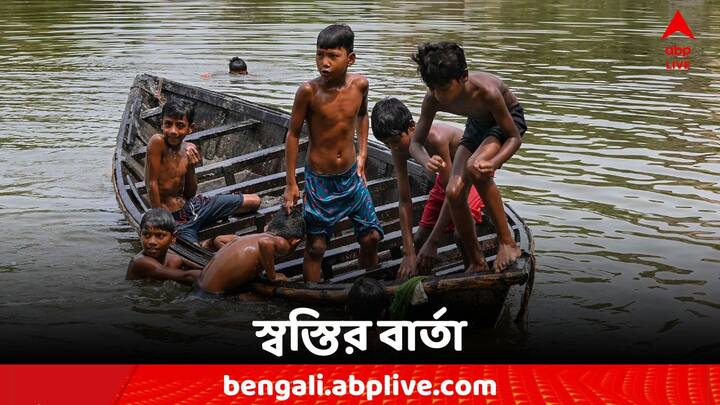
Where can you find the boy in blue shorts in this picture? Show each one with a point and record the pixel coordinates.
(495, 124)
(335, 106)
(171, 181)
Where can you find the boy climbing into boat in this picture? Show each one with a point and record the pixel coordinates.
(393, 125)
(157, 233)
(171, 181)
(495, 125)
(335, 107)
(242, 259)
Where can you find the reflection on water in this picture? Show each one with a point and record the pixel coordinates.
(617, 176)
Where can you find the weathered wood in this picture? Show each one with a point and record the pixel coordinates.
(208, 134)
(151, 112)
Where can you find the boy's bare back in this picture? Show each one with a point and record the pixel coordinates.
(236, 263)
(332, 114)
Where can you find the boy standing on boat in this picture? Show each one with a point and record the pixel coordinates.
(393, 125)
(171, 181)
(334, 106)
(492, 135)
(157, 233)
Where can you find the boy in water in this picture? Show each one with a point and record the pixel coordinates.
(242, 259)
(157, 233)
(393, 125)
(334, 105)
(171, 181)
(492, 135)
(236, 66)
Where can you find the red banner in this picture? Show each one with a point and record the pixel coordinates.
(311, 384)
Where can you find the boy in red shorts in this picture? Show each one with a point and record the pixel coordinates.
(393, 125)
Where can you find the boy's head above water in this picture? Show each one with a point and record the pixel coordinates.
(366, 300)
(442, 67)
(177, 121)
(289, 226)
(392, 124)
(157, 232)
(238, 66)
(335, 50)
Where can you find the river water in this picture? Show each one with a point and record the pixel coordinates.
(617, 176)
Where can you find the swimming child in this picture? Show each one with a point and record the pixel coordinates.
(171, 181)
(335, 107)
(495, 124)
(236, 66)
(393, 125)
(366, 301)
(157, 233)
(243, 258)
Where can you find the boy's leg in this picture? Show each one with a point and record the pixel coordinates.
(457, 195)
(421, 236)
(315, 247)
(250, 203)
(508, 250)
(463, 253)
(368, 256)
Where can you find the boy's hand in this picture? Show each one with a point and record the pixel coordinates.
(193, 153)
(361, 171)
(407, 266)
(279, 277)
(427, 257)
(485, 166)
(291, 195)
(434, 164)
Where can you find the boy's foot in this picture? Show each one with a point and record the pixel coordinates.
(477, 268)
(506, 256)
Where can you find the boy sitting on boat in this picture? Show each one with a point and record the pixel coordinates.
(157, 233)
(242, 259)
(334, 105)
(393, 125)
(495, 124)
(171, 181)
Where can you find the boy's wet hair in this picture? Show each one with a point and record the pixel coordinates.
(440, 63)
(159, 218)
(390, 118)
(366, 300)
(286, 225)
(336, 36)
(178, 109)
(237, 65)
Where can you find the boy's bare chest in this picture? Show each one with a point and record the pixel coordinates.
(336, 107)
(173, 165)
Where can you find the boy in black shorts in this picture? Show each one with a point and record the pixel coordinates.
(492, 135)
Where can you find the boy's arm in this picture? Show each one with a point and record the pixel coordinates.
(428, 252)
(512, 142)
(267, 259)
(299, 112)
(190, 188)
(146, 267)
(407, 266)
(362, 132)
(417, 144)
(153, 161)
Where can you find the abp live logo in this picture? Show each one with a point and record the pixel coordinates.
(677, 56)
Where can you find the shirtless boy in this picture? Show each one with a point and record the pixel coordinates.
(492, 135)
(334, 106)
(245, 257)
(157, 233)
(171, 181)
(393, 125)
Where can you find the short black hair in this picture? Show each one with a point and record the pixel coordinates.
(237, 65)
(158, 218)
(440, 63)
(366, 300)
(336, 36)
(287, 225)
(390, 118)
(178, 109)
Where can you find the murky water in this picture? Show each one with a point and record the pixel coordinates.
(617, 176)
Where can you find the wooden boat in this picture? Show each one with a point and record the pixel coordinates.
(242, 145)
